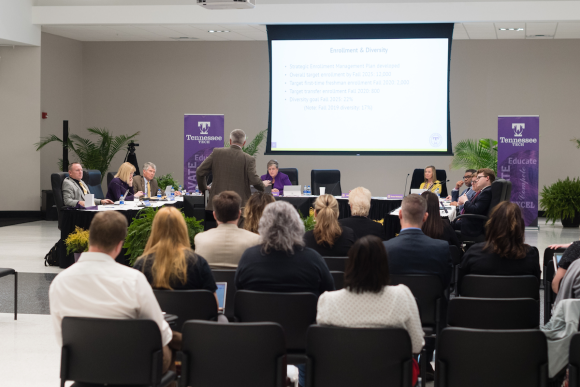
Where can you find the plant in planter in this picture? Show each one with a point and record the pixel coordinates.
(164, 180)
(475, 154)
(140, 229)
(309, 221)
(561, 200)
(253, 146)
(77, 242)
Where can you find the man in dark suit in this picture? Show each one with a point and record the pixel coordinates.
(478, 204)
(232, 169)
(413, 252)
(359, 200)
(468, 191)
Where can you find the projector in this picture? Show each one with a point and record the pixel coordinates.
(227, 4)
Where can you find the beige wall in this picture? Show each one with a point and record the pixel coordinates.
(148, 86)
(20, 128)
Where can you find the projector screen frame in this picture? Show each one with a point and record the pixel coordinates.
(358, 32)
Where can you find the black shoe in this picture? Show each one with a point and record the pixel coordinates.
(430, 374)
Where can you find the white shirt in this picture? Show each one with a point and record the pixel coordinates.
(394, 307)
(97, 286)
(222, 247)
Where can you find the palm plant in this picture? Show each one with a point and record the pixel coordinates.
(475, 154)
(252, 148)
(92, 155)
(577, 141)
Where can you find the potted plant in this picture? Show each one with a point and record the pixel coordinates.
(475, 154)
(309, 221)
(561, 200)
(77, 242)
(164, 180)
(253, 146)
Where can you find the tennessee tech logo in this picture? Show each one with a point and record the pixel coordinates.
(518, 129)
(203, 126)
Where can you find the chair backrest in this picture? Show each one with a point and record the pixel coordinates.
(329, 178)
(224, 355)
(511, 358)
(574, 362)
(111, 351)
(419, 177)
(292, 174)
(187, 305)
(455, 255)
(295, 312)
(358, 357)
(110, 176)
(223, 275)
(56, 180)
(498, 286)
(93, 181)
(493, 313)
(338, 277)
(499, 193)
(336, 263)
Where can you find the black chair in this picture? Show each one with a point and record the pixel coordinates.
(338, 277)
(225, 355)
(187, 305)
(500, 286)
(493, 313)
(335, 263)
(358, 357)
(112, 352)
(549, 273)
(329, 178)
(574, 361)
(295, 312)
(93, 181)
(292, 174)
(484, 358)
(227, 275)
(456, 259)
(4, 272)
(419, 177)
(56, 180)
(110, 176)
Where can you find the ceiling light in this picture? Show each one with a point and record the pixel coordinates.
(511, 29)
(212, 31)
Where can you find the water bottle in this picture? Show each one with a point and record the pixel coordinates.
(181, 189)
(159, 194)
(122, 200)
(172, 194)
(308, 191)
(197, 190)
(437, 192)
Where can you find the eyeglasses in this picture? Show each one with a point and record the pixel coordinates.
(479, 177)
(467, 177)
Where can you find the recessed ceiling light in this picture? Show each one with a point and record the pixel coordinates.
(511, 29)
(212, 31)
(183, 38)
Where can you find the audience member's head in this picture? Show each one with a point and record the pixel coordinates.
(367, 267)
(125, 172)
(433, 226)
(238, 137)
(75, 171)
(413, 211)
(281, 228)
(327, 228)
(505, 229)
(149, 170)
(360, 201)
(107, 232)
(226, 207)
(168, 246)
(254, 210)
(483, 178)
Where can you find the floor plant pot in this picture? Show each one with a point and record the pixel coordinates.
(572, 222)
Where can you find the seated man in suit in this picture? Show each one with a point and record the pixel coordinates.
(147, 183)
(469, 192)
(478, 204)
(223, 246)
(74, 188)
(359, 200)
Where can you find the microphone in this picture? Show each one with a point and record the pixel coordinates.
(405, 190)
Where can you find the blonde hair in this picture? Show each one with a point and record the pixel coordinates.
(125, 171)
(360, 201)
(327, 228)
(169, 247)
(254, 209)
(434, 175)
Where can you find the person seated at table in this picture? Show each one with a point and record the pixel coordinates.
(329, 238)
(359, 200)
(571, 254)
(147, 183)
(478, 204)
(431, 183)
(74, 188)
(436, 227)
(504, 251)
(223, 246)
(254, 209)
(275, 178)
(468, 191)
(122, 182)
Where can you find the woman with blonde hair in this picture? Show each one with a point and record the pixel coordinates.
(329, 238)
(254, 209)
(168, 261)
(122, 182)
(431, 183)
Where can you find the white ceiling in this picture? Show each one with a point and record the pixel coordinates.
(189, 2)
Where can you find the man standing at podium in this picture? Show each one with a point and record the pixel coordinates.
(232, 169)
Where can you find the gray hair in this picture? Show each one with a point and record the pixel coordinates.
(280, 228)
(238, 136)
(360, 201)
(148, 165)
(272, 162)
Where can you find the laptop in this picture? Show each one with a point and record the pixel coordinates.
(556, 260)
(292, 190)
(418, 191)
(222, 290)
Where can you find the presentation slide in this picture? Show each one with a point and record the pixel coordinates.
(359, 95)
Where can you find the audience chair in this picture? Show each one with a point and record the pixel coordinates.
(56, 180)
(227, 275)
(335, 263)
(329, 178)
(574, 361)
(3, 273)
(338, 277)
(292, 174)
(187, 305)
(112, 352)
(419, 177)
(500, 286)
(549, 273)
(225, 355)
(493, 313)
(456, 259)
(361, 357)
(295, 312)
(110, 176)
(92, 179)
(498, 358)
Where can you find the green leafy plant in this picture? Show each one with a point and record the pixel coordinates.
(164, 180)
(140, 229)
(77, 241)
(561, 200)
(91, 154)
(475, 154)
(309, 221)
(253, 147)
(577, 141)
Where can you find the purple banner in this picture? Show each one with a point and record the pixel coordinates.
(201, 133)
(518, 161)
